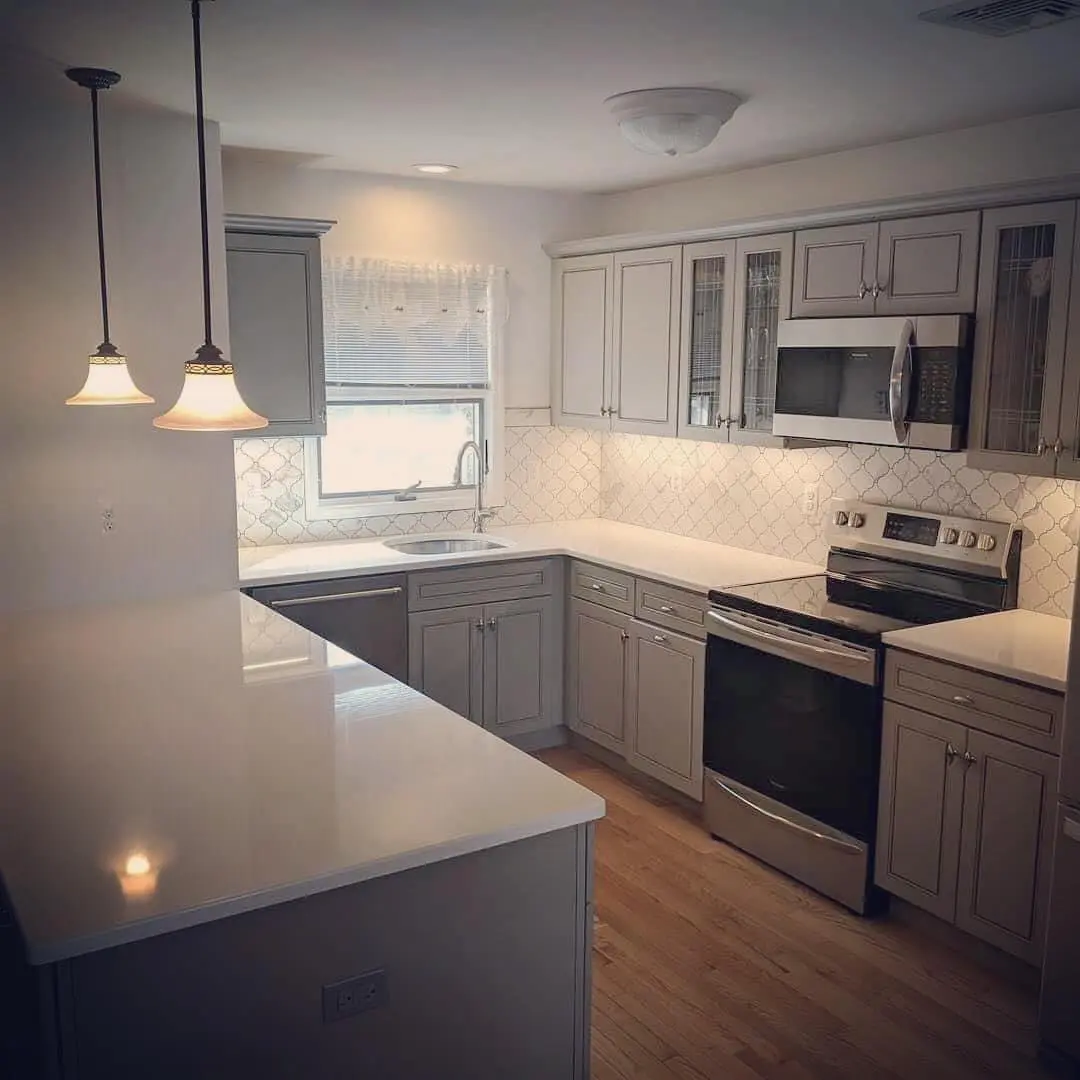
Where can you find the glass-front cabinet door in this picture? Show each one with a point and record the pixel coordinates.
(762, 299)
(705, 353)
(1020, 336)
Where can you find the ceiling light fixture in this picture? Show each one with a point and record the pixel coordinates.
(108, 382)
(209, 399)
(434, 167)
(672, 121)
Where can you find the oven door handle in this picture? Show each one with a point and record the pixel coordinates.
(900, 383)
(795, 826)
(783, 642)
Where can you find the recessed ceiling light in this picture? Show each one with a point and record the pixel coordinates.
(434, 167)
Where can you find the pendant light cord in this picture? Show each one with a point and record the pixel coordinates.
(100, 219)
(201, 136)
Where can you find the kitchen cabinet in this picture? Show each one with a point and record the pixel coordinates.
(666, 706)
(276, 322)
(965, 825)
(645, 340)
(708, 304)
(446, 658)
(909, 266)
(364, 616)
(763, 270)
(597, 673)
(1018, 422)
(582, 303)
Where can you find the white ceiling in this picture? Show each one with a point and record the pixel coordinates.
(512, 91)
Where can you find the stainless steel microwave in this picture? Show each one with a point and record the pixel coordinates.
(885, 381)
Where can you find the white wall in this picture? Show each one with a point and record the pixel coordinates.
(429, 220)
(1033, 148)
(172, 494)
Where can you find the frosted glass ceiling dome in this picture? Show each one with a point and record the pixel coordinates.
(672, 121)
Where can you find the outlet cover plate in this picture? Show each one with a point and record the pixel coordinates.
(352, 996)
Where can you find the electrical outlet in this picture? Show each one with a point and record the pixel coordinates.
(810, 500)
(352, 996)
(108, 521)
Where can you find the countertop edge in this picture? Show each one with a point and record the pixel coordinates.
(989, 666)
(215, 911)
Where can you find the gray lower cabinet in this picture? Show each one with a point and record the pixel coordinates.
(597, 673)
(446, 658)
(496, 664)
(965, 827)
(276, 321)
(666, 706)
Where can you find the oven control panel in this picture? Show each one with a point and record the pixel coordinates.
(939, 539)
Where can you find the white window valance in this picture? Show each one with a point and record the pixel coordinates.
(398, 324)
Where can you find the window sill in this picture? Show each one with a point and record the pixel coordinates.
(327, 510)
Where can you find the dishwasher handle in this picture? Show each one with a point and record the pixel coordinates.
(360, 594)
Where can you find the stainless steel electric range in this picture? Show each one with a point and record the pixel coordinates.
(793, 684)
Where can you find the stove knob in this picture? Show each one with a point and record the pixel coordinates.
(840, 517)
(857, 521)
(949, 536)
(967, 539)
(986, 542)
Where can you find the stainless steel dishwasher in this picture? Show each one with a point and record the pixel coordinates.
(366, 616)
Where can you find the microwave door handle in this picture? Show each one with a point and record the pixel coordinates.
(900, 383)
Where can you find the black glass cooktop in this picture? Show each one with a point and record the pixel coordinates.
(863, 597)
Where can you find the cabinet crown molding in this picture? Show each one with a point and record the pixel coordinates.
(278, 226)
(974, 198)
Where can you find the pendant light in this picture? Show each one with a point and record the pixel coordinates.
(108, 382)
(209, 399)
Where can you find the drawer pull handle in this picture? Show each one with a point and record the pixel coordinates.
(596, 586)
(667, 609)
(659, 639)
(963, 699)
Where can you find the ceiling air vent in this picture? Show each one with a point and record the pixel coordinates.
(1000, 18)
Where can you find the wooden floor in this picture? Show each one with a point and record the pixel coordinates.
(707, 964)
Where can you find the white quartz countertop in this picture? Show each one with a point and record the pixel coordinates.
(168, 764)
(698, 565)
(1020, 645)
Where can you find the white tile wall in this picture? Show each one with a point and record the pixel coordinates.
(753, 498)
(745, 496)
(552, 474)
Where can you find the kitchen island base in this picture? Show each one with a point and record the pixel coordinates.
(486, 962)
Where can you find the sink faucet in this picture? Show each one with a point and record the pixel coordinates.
(480, 515)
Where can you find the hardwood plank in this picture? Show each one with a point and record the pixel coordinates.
(708, 964)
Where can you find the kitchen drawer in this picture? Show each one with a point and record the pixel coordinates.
(674, 608)
(609, 588)
(433, 589)
(998, 706)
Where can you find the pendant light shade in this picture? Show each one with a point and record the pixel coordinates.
(108, 382)
(210, 399)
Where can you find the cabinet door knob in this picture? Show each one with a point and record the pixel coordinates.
(493, 625)
(1041, 446)
(876, 291)
(970, 758)
(863, 290)
(479, 625)
(625, 636)
(1059, 447)
(951, 753)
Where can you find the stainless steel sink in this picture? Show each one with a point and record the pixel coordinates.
(447, 545)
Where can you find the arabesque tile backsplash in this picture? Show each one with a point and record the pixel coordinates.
(745, 496)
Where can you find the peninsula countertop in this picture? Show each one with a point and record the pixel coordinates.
(1022, 645)
(168, 764)
(698, 565)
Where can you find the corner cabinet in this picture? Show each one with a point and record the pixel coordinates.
(274, 272)
(1022, 421)
(909, 266)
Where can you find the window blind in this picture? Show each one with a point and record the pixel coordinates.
(390, 324)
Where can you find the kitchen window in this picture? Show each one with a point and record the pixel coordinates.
(413, 365)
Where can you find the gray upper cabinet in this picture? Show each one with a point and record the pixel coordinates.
(763, 271)
(910, 266)
(666, 707)
(582, 300)
(645, 340)
(276, 324)
(521, 665)
(597, 673)
(1007, 840)
(927, 265)
(705, 354)
(446, 658)
(1020, 340)
(834, 270)
(921, 807)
